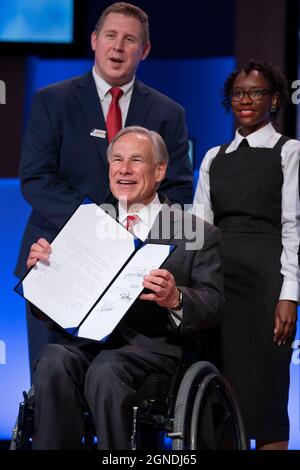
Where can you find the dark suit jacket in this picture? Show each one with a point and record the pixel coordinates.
(61, 162)
(198, 273)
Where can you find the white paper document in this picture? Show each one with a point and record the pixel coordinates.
(95, 273)
(123, 292)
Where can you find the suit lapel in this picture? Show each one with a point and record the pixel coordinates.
(140, 105)
(87, 95)
(89, 100)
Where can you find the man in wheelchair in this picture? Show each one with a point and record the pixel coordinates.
(179, 301)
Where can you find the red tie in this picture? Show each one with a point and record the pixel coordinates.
(114, 115)
(131, 221)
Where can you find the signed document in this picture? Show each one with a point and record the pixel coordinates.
(94, 274)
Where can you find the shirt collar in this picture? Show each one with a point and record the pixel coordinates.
(103, 87)
(256, 139)
(147, 214)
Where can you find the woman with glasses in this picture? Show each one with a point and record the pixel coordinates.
(249, 189)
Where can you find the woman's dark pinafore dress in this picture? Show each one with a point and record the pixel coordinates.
(245, 188)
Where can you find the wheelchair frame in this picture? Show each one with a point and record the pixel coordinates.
(204, 414)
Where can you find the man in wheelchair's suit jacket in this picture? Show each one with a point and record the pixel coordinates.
(150, 337)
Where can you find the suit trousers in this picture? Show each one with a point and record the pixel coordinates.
(67, 377)
(38, 334)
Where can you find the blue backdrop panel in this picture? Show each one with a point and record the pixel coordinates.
(294, 395)
(14, 370)
(43, 21)
(196, 84)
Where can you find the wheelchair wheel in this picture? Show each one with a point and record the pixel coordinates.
(206, 415)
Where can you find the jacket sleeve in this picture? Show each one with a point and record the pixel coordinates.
(47, 193)
(203, 299)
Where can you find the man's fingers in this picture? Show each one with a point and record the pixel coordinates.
(38, 251)
(31, 262)
(41, 255)
(152, 297)
(41, 246)
(154, 287)
(156, 280)
(161, 273)
(44, 243)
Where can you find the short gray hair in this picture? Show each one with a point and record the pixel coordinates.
(160, 151)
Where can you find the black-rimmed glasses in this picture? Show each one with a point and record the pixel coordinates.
(255, 94)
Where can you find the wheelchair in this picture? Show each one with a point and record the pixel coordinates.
(195, 410)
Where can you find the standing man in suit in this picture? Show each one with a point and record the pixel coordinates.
(71, 124)
(184, 297)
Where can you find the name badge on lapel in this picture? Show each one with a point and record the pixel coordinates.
(98, 133)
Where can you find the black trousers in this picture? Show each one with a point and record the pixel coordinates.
(66, 377)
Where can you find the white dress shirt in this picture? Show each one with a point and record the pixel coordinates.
(147, 215)
(105, 97)
(267, 137)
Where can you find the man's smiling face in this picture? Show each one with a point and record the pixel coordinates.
(134, 172)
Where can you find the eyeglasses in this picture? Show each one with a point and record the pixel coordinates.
(255, 94)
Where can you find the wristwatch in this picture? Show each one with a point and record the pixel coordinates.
(180, 305)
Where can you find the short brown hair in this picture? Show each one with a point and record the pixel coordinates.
(128, 10)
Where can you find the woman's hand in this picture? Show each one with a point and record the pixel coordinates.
(285, 320)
